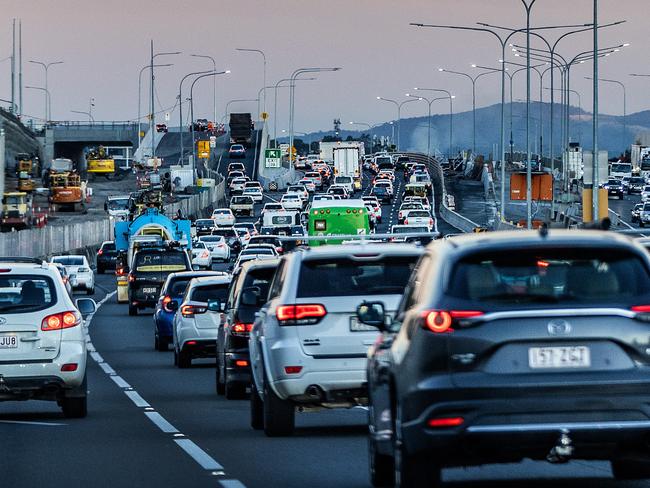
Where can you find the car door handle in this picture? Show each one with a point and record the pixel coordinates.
(29, 339)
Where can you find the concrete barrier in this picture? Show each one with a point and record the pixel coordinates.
(51, 240)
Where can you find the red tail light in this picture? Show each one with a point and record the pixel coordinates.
(292, 369)
(442, 423)
(641, 308)
(279, 250)
(60, 321)
(406, 221)
(241, 363)
(131, 278)
(191, 310)
(68, 367)
(441, 321)
(240, 328)
(302, 314)
(100, 252)
(165, 302)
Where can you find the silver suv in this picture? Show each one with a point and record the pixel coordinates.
(307, 349)
(42, 344)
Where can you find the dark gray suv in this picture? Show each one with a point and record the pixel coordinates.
(509, 346)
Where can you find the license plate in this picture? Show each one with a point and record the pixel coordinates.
(356, 326)
(8, 342)
(559, 357)
(149, 290)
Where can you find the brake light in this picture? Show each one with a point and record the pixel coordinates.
(279, 250)
(641, 308)
(406, 221)
(240, 328)
(442, 423)
(241, 363)
(68, 367)
(131, 278)
(441, 321)
(430, 222)
(165, 302)
(191, 310)
(302, 314)
(292, 369)
(100, 252)
(59, 321)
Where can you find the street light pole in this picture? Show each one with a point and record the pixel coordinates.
(259, 51)
(624, 106)
(89, 114)
(152, 115)
(140, 95)
(275, 105)
(48, 98)
(46, 67)
(180, 111)
(214, 82)
(451, 113)
(596, 186)
(399, 114)
(429, 102)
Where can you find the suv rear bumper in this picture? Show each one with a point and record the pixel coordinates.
(527, 423)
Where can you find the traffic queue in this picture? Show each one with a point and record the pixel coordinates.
(304, 304)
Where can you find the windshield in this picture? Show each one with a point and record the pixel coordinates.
(258, 250)
(214, 293)
(569, 277)
(621, 168)
(121, 204)
(347, 277)
(14, 200)
(343, 179)
(205, 222)
(26, 293)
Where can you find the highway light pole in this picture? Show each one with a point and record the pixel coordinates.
(152, 115)
(275, 105)
(180, 110)
(624, 105)
(140, 93)
(370, 127)
(214, 73)
(451, 114)
(237, 100)
(429, 102)
(48, 98)
(399, 114)
(48, 103)
(259, 51)
(89, 114)
(214, 82)
(292, 86)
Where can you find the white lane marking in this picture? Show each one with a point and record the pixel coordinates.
(136, 398)
(97, 357)
(161, 423)
(25, 422)
(119, 381)
(107, 368)
(232, 484)
(198, 454)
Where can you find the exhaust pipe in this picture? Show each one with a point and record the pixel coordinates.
(563, 450)
(314, 392)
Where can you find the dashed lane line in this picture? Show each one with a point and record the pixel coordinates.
(201, 457)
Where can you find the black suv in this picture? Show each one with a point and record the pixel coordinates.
(614, 187)
(510, 346)
(204, 227)
(149, 272)
(106, 257)
(248, 291)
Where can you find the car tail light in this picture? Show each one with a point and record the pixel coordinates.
(641, 308)
(406, 221)
(441, 423)
(279, 250)
(292, 369)
(191, 310)
(100, 252)
(441, 321)
(165, 302)
(59, 321)
(241, 363)
(302, 314)
(430, 222)
(241, 328)
(69, 367)
(131, 278)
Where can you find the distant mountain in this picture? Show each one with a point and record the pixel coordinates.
(488, 126)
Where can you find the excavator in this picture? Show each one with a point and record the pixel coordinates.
(100, 163)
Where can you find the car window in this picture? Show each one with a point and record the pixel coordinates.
(26, 293)
(69, 260)
(109, 246)
(570, 277)
(346, 277)
(161, 261)
(278, 280)
(177, 287)
(215, 292)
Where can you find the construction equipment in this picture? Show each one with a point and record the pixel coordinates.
(66, 191)
(100, 163)
(26, 163)
(25, 182)
(17, 212)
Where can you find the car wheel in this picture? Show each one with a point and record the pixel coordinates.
(631, 469)
(133, 310)
(175, 356)
(161, 344)
(382, 467)
(257, 409)
(184, 359)
(279, 415)
(90, 291)
(75, 408)
(234, 390)
(221, 386)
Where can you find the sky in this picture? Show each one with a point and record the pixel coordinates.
(104, 44)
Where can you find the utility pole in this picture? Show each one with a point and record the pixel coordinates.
(596, 158)
(13, 67)
(152, 123)
(20, 67)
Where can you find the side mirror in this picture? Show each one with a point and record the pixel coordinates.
(250, 296)
(216, 306)
(373, 314)
(86, 306)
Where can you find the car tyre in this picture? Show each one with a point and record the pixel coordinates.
(160, 344)
(75, 408)
(382, 467)
(279, 415)
(220, 385)
(631, 469)
(184, 359)
(233, 390)
(91, 291)
(133, 310)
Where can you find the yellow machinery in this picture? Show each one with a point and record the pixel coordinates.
(25, 164)
(16, 210)
(65, 191)
(99, 163)
(25, 182)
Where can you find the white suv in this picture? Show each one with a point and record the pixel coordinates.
(42, 344)
(307, 348)
(78, 268)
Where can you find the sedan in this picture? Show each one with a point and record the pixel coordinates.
(223, 217)
(217, 246)
(79, 271)
(201, 256)
(420, 217)
(237, 151)
(309, 184)
(292, 201)
(255, 193)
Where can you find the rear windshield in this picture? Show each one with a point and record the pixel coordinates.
(205, 222)
(256, 278)
(215, 238)
(568, 277)
(26, 293)
(69, 260)
(419, 213)
(241, 200)
(406, 230)
(216, 293)
(257, 251)
(346, 277)
(162, 261)
(108, 246)
(343, 179)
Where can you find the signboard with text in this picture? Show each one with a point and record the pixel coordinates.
(273, 158)
(203, 149)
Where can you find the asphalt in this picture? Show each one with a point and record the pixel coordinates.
(152, 424)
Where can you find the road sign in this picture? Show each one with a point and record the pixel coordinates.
(284, 148)
(273, 158)
(141, 133)
(203, 149)
(264, 115)
(213, 141)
